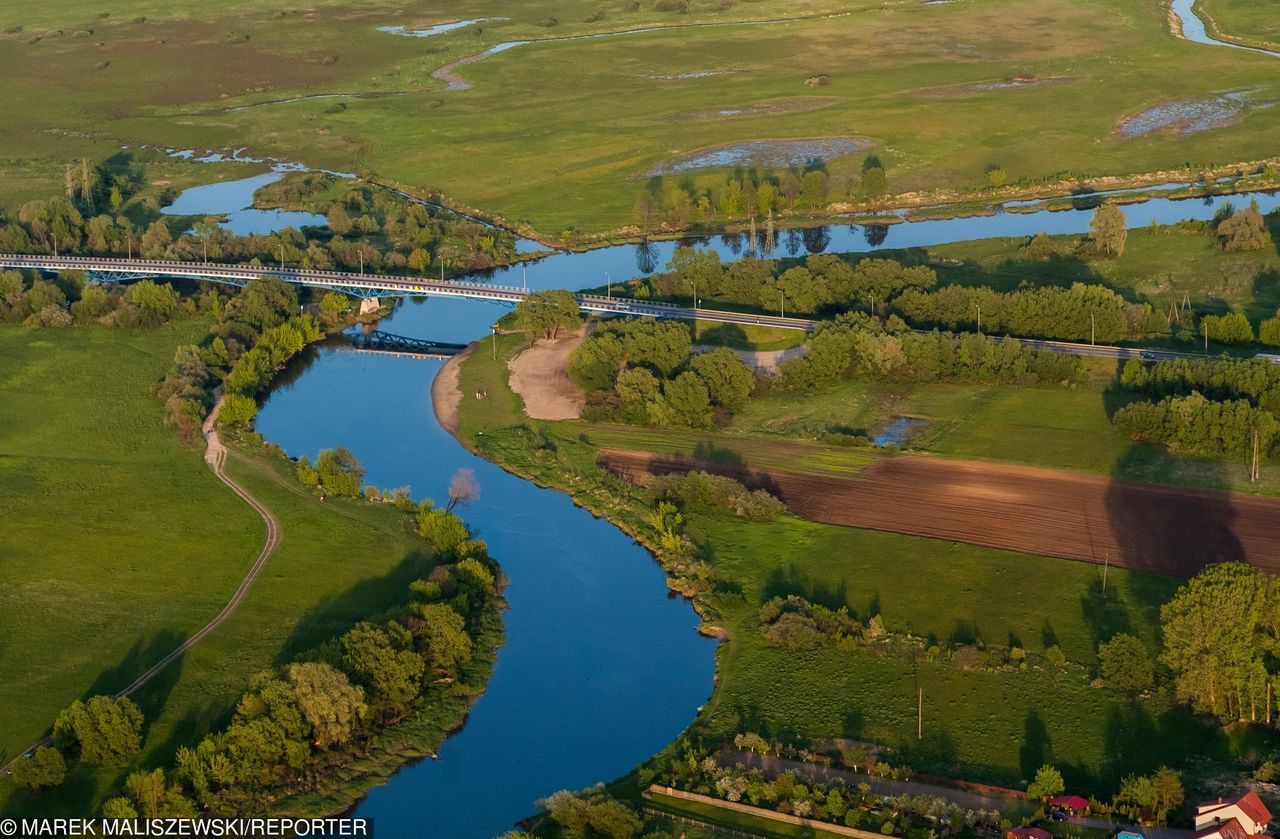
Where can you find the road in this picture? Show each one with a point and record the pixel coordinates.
(215, 456)
(359, 284)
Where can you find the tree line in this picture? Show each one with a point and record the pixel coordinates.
(857, 345)
(254, 334)
(1222, 408)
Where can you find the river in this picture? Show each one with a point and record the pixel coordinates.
(601, 668)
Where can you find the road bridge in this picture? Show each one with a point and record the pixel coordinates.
(362, 285)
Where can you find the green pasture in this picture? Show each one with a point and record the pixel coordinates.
(119, 544)
(1242, 20)
(557, 134)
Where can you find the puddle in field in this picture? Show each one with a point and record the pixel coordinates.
(1188, 116)
(1019, 82)
(438, 29)
(761, 153)
(696, 74)
(898, 432)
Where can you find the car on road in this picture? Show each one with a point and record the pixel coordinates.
(1147, 355)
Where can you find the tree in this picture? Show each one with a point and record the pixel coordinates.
(119, 807)
(444, 633)
(1231, 328)
(339, 472)
(545, 313)
(45, 768)
(1108, 230)
(1214, 640)
(1137, 795)
(1243, 230)
(105, 731)
(684, 402)
(156, 240)
(332, 705)
(1125, 664)
(813, 189)
(1168, 788)
(156, 302)
(237, 410)
(728, 381)
(463, 488)
(381, 659)
(155, 798)
(875, 184)
(441, 528)
(1047, 784)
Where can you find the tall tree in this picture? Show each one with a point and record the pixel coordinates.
(332, 705)
(1108, 230)
(45, 768)
(547, 312)
(105, 731)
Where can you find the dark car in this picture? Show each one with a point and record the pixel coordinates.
(1147, 355)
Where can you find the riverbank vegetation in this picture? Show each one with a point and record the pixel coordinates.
(110, 210)
(378, 110)
(831, 635)
(86, 442)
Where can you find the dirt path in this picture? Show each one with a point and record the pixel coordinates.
(540, 376)
(1164, 530)
(446, 391)
(215, 456)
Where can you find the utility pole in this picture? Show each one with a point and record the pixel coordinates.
(495, 342)
(1092, 330)
(608, 289)
(361, 252)
(204, 244)
(1106, 562)
(130, 240)
(524, 277)
(979, 305)
(919, 713)
(282, 259)
(782, 308)
(1253, 469)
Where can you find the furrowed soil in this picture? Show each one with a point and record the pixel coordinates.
(1164, 530)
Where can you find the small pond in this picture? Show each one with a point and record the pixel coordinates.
(215, 199)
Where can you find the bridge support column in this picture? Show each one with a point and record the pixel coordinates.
(369, 305)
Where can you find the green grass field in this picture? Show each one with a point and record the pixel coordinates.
(119, 544)
(555, 134)
(1243, 21)
(993, 725)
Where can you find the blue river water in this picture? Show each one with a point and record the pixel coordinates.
(601, 667)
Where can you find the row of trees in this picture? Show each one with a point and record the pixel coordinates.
(255, 332)
(857, 345)
(1198, 426)
(821, 282)
(70, 298)
(1080, 313)
(296, 725)
(644, 371)
(749, 194)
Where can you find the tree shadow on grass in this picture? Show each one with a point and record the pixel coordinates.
(793, 581)
(1037, 748)
(1105, 612)
(370, 599)
(145, 653)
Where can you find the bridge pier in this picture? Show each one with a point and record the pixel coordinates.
(369, 305)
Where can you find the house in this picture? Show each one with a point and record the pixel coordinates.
(1252, 815)
(1073, 804)
(1230, 829)
(1028, 833)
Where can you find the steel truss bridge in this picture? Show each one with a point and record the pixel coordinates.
(105, 270)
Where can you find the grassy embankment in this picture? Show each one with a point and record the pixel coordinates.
(994, 725)
(119, 544)
(916, 78)
(1241, 21)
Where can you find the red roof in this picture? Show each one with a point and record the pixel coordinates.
(1036, 833)
(1250, 803)
(1070, 802)
(1230, 829)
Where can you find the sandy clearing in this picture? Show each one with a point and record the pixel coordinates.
(446, 392)
(540, 376)
(765, 361)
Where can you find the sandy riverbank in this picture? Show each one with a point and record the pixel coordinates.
(446, 391)
(540, 376)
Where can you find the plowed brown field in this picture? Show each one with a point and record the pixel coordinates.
(1166, 530)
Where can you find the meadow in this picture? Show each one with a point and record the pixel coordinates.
(1243, 21)
(555, 135)
(991, 724)
(120, 543)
